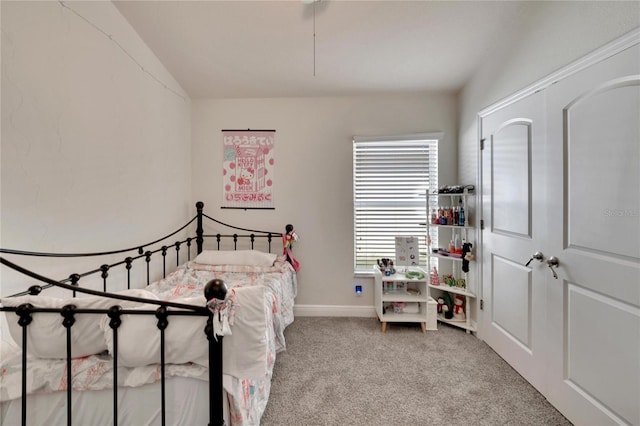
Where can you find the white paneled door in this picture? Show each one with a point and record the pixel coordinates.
(561, 176)
(593, 219)
(513, 191)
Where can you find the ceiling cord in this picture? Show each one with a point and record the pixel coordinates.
(314, 37)
(110, 37)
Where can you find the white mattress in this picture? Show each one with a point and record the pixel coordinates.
(187, 402)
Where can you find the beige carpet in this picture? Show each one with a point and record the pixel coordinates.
(343, 371)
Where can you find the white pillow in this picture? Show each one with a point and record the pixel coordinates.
(244, 351)
(236, 257)
(139, 337)
(47, 337)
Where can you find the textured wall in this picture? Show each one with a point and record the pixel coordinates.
(95, 150)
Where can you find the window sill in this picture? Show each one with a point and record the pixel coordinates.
(363, 273)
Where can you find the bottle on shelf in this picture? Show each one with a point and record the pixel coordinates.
(456, 244)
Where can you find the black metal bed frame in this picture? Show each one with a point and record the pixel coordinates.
(212, 290)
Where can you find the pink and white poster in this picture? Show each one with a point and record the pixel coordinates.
(247, 169)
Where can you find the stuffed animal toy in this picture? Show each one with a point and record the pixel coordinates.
(458, 308)
(442, 308)
(287, 242)
(448, 302)
(466, 256)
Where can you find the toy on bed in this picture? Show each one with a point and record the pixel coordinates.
(132, 345)
(288, 239)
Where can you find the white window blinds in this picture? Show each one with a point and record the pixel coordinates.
(390, 179)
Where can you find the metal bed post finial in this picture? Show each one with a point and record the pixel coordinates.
(199, 230)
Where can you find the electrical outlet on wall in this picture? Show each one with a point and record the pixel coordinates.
(359, 289)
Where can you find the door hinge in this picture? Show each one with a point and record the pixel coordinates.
(481, 224)
(481, 304)
(481, 144)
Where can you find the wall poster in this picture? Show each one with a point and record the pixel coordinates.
(247, 169)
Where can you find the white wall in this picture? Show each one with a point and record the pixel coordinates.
(551, 35)
(95, 151)
(313, 171)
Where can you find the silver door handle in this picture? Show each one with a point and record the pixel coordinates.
(537, 255)
(553, 262)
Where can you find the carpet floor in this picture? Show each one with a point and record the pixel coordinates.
(344, 371)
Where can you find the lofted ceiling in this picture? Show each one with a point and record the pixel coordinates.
(253, 49)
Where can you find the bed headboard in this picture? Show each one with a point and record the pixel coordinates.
(252, 236)
(227, 237)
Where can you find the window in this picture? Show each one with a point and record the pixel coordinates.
(391, 176)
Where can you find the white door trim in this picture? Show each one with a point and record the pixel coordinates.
(618, 45)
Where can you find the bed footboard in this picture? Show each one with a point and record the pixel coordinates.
(71, 317)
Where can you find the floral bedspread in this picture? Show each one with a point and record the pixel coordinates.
(93, 372)
(190, 278)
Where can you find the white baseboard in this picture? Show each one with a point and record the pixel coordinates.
(334, 311)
